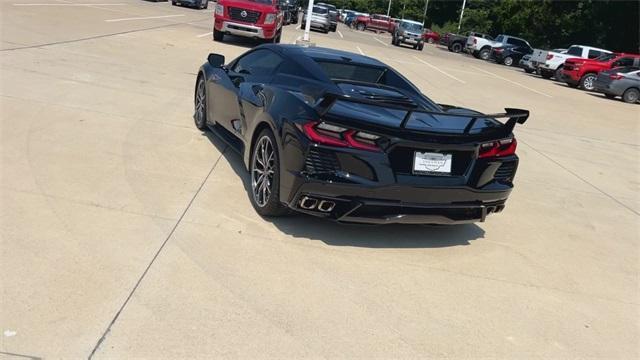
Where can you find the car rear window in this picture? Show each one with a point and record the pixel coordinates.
(356, 72)
(319, 10)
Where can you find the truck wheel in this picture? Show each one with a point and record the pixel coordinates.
(558, 74)
(587, 82)
(276, 39)
(484, 53)
(360, 26)
(456, 47)
(420, 46)
(218, 35)
(631, 96)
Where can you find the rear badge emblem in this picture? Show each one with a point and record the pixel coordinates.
(243, 13)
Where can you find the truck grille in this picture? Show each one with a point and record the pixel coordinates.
(506, 171)
(250, 15)
(319, 161)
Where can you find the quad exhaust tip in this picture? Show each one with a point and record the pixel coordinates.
(309, 203)
(326, 206)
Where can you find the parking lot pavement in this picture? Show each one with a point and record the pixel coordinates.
(128, 233)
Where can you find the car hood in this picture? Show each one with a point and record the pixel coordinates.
(250, 5)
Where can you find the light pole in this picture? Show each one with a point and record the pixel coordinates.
(307, 26)
(424, 18)
(389, 8)
(464, 2)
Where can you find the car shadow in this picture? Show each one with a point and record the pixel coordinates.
(339, 234)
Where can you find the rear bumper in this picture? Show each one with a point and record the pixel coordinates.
(244, 29)
(357, 204)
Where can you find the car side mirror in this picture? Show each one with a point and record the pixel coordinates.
(215, 60)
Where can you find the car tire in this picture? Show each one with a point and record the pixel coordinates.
(587, 82)
(361, 26)
(200, 104)
(631, 96)
(558, 74)
(508, 61)
(528, 71)
(421, 46)
(546, 74)
(218, 35)
(456, 47)
(264, 174)
(173, 3)
(484, 54)
(276, 39)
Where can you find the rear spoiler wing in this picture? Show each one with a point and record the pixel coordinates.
(514, 116)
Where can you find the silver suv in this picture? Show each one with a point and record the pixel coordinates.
(319, 18)
(408, 32)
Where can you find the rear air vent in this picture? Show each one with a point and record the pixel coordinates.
(319, 162)
(506, 171)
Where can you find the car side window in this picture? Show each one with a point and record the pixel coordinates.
(627, 61)
(261, 62)
(576, 51)
(594, 54)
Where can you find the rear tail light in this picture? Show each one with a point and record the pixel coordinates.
(549, 56)
(498, 50)
(334, 135)
(498, 148)
(615, 76)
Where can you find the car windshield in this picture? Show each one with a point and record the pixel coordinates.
(412, 27)
(357, 72)
(319, 10)
(499, 38)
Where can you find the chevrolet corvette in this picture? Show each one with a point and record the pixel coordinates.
(344, 136)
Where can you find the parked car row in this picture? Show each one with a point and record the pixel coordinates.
(586, 67)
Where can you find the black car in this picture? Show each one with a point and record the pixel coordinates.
(344, 136)
(290, 10)
(511, 54)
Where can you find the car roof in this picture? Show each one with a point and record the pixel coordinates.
(411, 21)
(322, 53)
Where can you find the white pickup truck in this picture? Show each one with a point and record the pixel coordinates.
(550, 63)
(480, 47)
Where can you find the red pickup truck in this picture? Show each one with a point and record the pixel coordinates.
(375, 22)
(583, 72)
(258, 19)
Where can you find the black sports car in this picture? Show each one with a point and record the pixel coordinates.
(344, 136)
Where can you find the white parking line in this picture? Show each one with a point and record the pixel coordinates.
(298, 27)
(435, 68)
(205, 34)
(143, 18)
(380, 41)
(339, 33)
(511, 81)
(360, 50)
(69, 4)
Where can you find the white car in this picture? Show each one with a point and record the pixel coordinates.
(480, 47)
(550, 63)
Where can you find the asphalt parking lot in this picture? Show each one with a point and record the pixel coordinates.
(126, 232)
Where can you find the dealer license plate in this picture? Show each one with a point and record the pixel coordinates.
(432, 163)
